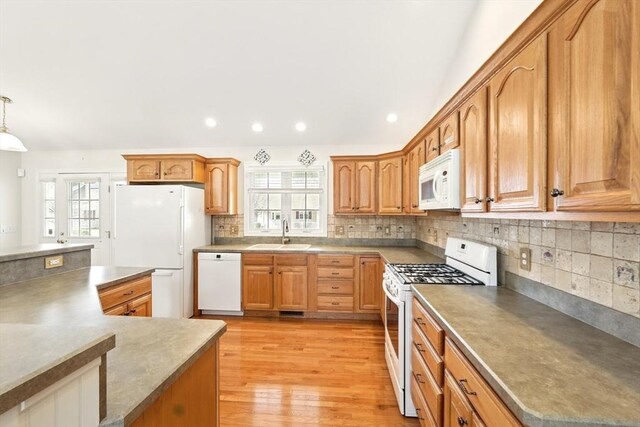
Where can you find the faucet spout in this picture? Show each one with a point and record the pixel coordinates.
(285, 229)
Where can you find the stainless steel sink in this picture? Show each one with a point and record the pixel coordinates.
(279, 247)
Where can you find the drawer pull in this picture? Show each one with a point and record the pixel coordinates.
(419, 413)
(463, 386)
(462, 422)
(419, 378)
(335, 261)
(335, 287)
(335, 273)
(335, 303)
(419, 321)
(126, 313)
(419, 347)
(133, 310)
(127, 293)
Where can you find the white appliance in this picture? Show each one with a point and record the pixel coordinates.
(467, 263)
(219, 290)
(439, 182)
(159, 226)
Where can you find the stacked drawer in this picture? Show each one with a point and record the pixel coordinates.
(132, 298)
(335, 282)
(427, 367)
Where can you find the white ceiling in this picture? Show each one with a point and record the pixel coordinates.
(146, 74)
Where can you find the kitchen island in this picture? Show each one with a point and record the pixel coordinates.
(151, 355)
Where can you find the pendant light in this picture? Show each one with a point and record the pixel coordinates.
(8, 142)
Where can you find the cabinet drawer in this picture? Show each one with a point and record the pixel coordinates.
(335, 260)
(257, 259)
(422, 410)
(432, 359)
(430, 389)
(291, 260)
(335, 287)
(335, 303)
(335, 273)
(431, 329)
(482, 397)
(124, 292)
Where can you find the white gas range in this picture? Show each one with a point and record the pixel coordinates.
(467, 263)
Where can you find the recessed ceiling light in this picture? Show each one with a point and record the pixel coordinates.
(211, 122)
(257, 127)
(392, 117)
(301, 127)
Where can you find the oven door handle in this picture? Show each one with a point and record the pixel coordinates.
(393, 299)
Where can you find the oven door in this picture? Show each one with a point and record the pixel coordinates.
(394, 343)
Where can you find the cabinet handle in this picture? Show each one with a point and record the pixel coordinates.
(335, 261)
(126, 313)
(398, 207)
(490, 199)
(463, 386)
(415, 206)
(335, 303)
(462, 422)
(335, 274)
(418, 413)
(419, 321)
(127, 293)
(132, 310)
(435, 148)
(477, 201)
(157, 174)
(279, 272)
(335, 287)
(419, 347)
(419, 378)
(555, 192)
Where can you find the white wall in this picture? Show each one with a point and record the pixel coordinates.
(491, 23)
(111, 161)
(10, 198)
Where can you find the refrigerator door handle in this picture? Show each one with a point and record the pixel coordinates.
(181, 231)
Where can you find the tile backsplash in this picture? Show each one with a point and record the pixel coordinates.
(599, 261)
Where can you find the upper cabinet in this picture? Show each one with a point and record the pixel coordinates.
(449, 138)
(594, 120)
(354, 186)
(390, 185)
(473, 140)
(416, 158)
(157, 168)
(221, 186)
(432, 145)
(517, 132)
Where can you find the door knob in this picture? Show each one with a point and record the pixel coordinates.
(477, 201)
(462, 421)
(490, 199)
(555, 192)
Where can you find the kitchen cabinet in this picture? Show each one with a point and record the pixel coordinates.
(369, 284)
(221, 186)
(257, 287)
(432, 145)
(473, 161)
(132, 298)
(335, 283)
(449, 133)
(159, 168)
(416, 158)
(390, 185)
(354, 186)
(517, 129)
(457, 409)
(594, 120)
(291, 288)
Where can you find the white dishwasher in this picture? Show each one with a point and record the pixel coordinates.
(219, 283)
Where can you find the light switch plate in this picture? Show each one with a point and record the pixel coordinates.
(525, 259)
(234, 229)
(340, 229)
(53, 262)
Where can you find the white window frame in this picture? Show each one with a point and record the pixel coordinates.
(249, 230)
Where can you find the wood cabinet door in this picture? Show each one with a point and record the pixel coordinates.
(517, 106)
(370, 284)
(594, 90)
(118, 310)
(457, 409)
(344, 187)
(416, 159)
(257, 287)
(291, 288)
(216, 185)
(140, 307)
(449, 137)
(177, 170)
(406, 185)
(473, 142)
(366, 191)
(432, 144)
(390, 186)
(143, 170)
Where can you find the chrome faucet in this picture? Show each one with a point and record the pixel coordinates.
(285, 229)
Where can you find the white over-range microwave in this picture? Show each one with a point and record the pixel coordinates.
(439, 182)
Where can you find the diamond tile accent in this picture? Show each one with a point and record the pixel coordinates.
(306, 158)
(262, 157)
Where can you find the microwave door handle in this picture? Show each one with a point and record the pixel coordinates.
(436, 179)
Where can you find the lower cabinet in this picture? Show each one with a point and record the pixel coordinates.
(257, 287)
(291, 288)
(132, 298)
(370, 284)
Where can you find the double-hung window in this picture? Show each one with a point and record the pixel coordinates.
(296, 194)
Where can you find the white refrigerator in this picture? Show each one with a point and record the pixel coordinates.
(159, 226)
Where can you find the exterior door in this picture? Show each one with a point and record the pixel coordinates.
(473, 140)
(390, 188)
(77, 209)
(366, 187)
(517, 103)
(594, 88)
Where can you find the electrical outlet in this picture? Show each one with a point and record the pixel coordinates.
(525, 259)
(378, 228)
(387, 230)
(53, 262)
(234, 229)
(340, 229)
(496, 231)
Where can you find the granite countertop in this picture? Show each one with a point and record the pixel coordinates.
(150, 353)
(391, 254)
(31, 251)
(549, 368)
(36, 356)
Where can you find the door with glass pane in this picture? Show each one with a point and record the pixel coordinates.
(76, 209)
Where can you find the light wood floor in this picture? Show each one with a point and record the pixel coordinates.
(295, 372)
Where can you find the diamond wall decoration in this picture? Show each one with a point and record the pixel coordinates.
(262, 157)
(306, 158)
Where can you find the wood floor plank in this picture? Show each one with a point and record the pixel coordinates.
(300, 372)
